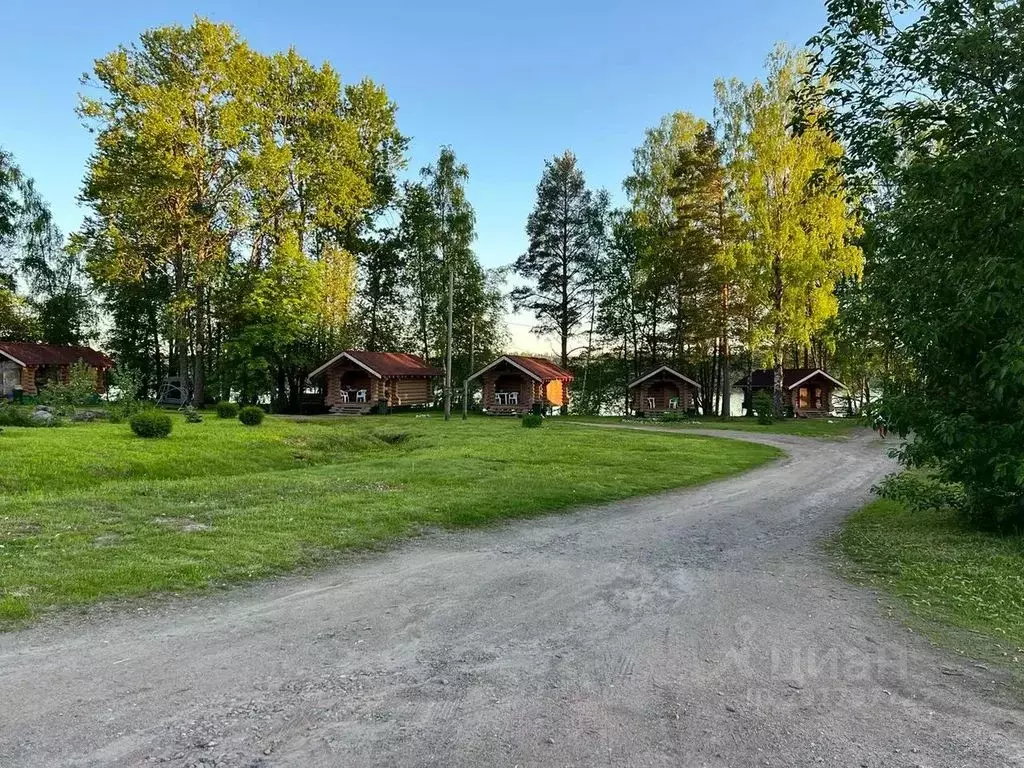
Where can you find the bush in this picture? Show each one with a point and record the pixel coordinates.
(764, 407)
(79, 390)
(192, 415)
(532, 420)
(129, 383)
(13, 416)
(151, 423)
(922, 492)
(251, 415)
(227, 410)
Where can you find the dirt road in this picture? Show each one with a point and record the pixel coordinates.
(698, 628)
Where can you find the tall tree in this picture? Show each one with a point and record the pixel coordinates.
(218, 169)
(650, 191)
(707, 230)
(795, 203)
(453, 235)
(566, 232)
(927, 96)
(172, 144)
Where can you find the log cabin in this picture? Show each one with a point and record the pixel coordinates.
(359, 382)
(517, 384)
(29, 367)
(808, 391)
(663, 390)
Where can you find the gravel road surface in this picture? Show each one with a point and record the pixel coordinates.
(695, 628)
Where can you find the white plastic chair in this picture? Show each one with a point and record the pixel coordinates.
(650, 403)
(361, 396)
(344, 395)
(513, 398)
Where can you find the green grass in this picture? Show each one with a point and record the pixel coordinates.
(91, 512)
(962, 587)
(823, 428)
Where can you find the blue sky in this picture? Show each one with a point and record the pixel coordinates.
(506, 85)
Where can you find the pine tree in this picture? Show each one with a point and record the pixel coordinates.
(566, 234)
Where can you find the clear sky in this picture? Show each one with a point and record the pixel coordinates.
(507, 85)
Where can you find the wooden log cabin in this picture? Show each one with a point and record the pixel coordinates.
(359, 382)
(29, 367)
(807, 391)
(516, 384)
(663, 390)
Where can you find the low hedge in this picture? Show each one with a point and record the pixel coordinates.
(532, 420)
(251, 415)
(227, 410)
(151, 423)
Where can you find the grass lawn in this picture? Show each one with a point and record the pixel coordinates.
(963, 588)
(825, 428)
(90, 511)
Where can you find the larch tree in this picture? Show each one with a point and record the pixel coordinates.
(566, 232)
(707, 231)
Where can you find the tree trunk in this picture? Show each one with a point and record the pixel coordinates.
(779, 340)
(199, 380)
(448, 346)
(726, 373)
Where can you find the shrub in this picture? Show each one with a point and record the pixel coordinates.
(13, 416)
(151, 423)
(764, 407)
(922, 492)
(79, 390)
(192, 415)
(251, 415)
(532, 420)
(129, 383)
(227, 410)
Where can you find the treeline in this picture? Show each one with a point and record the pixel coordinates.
(738, 231)
(247, 220)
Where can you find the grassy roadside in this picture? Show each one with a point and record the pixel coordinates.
(90, 512)
(963, 588)
(824, 428)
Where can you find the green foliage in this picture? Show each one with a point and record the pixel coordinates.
(921, 492)
(946, 272)
(764, 407)
(16, 416)
(251, 415)
(532, 420)
(151, 423)
(192, 415)
(227, 409)
(231, 195)
(566, 232)
(78, 390)
(129, 384)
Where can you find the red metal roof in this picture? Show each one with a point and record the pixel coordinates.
(394, 363)
(28, 353)
(543, 369)
(384, 364)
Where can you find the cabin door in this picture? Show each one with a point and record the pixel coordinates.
(10, 375)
